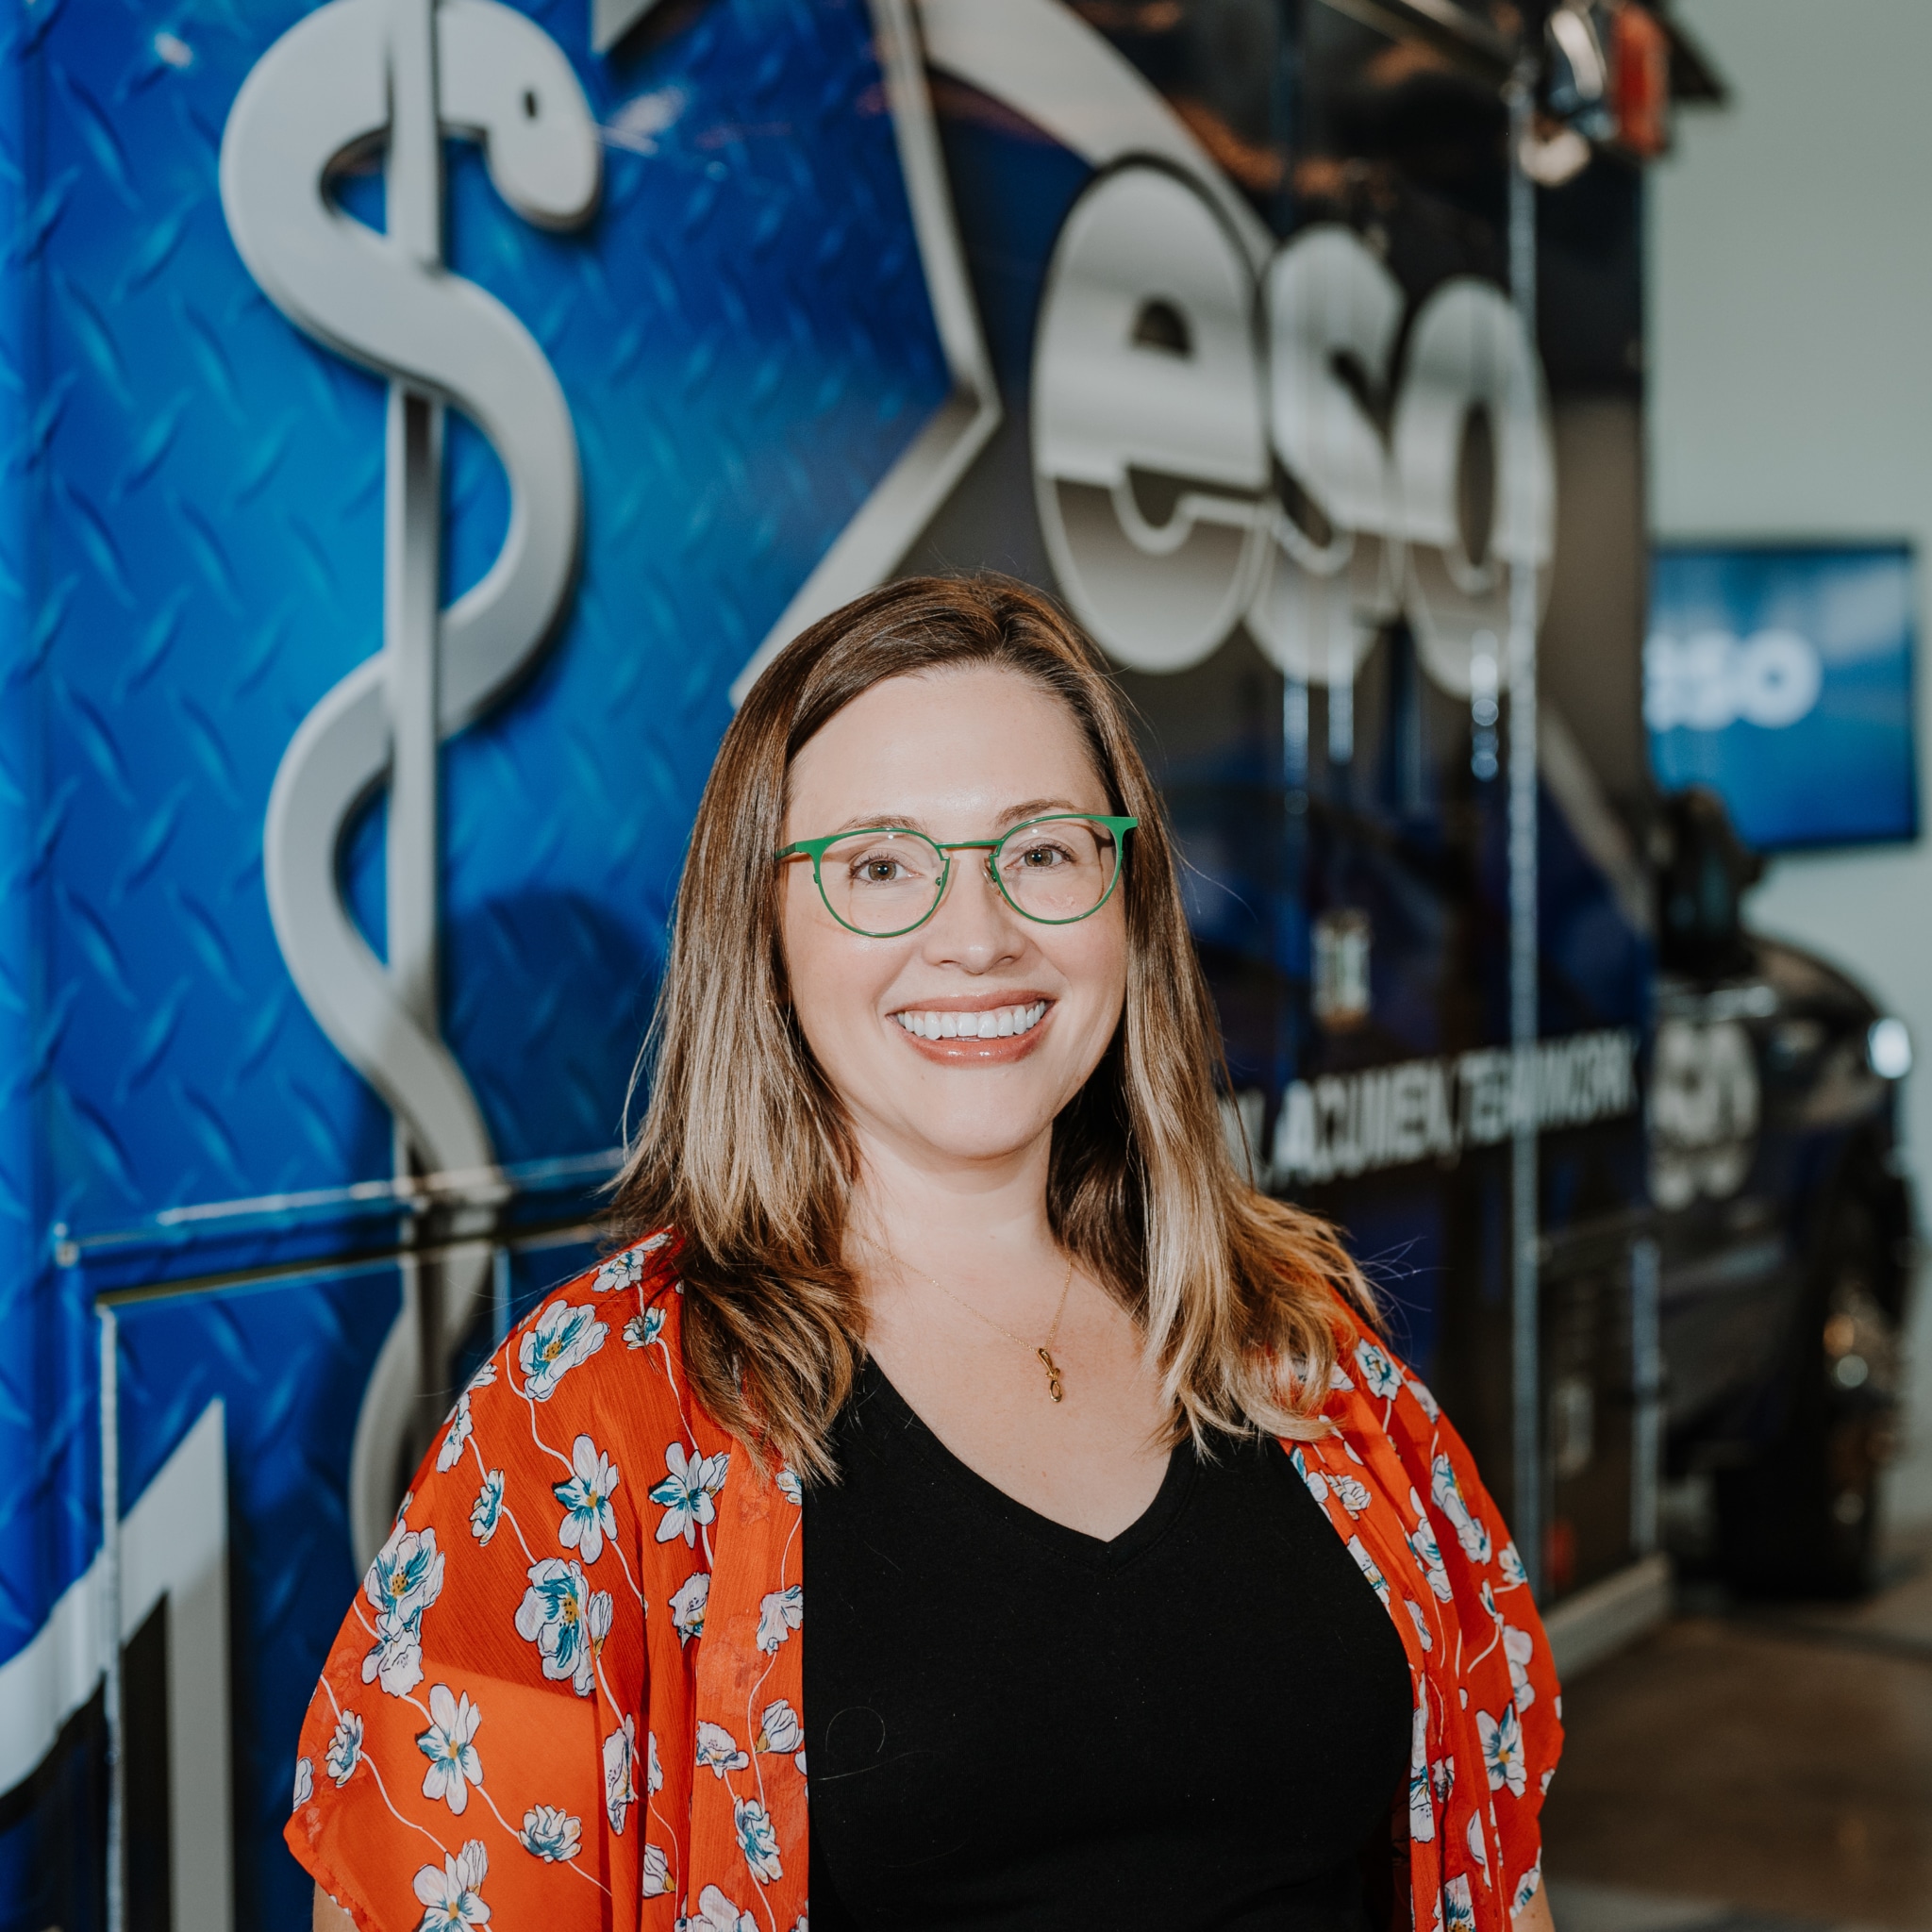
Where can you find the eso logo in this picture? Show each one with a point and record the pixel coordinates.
(1218, 441)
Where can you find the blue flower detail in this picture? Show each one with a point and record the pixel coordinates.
(1378, 1372)
(453, 1897)
(454, 1765)
(687, 1606)
(344, 1748)
(403, 1581)
(1502, 1743)
(1447, 1493)
(1462, 1909)
(586, 1498)
(565, 1334)
(780, 1614)
(688, 1491)
(550, 1834)
(566, 1620)
(643, 1329)
(756, 1840)
(488, 1506)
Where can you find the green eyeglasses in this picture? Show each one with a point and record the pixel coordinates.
(885, 881)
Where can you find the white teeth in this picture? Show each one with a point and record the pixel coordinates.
(998, 1023)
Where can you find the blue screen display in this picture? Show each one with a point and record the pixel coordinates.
(1782, 677)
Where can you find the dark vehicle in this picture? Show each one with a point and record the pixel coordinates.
(1786, 1229)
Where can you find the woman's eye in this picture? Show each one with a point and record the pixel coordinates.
(1038, 857)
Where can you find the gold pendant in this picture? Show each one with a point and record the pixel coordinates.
(1052, 1376)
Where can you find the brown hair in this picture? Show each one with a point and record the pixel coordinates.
(745, 1150)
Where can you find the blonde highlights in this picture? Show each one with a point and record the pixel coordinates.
(745, 1151)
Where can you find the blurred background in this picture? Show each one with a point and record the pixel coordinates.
(1485, 436)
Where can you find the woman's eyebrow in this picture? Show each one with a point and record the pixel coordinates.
(910, 821)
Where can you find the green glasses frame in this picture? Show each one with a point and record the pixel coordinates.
(815, 850)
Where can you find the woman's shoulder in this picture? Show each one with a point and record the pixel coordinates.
(607, 1339)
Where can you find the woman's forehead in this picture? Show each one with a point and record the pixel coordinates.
(982, 736)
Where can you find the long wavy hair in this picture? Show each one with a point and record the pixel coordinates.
(745, 1150)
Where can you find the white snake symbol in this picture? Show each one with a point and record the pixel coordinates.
(403, 74)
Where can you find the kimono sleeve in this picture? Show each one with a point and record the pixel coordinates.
(470, 1748)
(1508, 1675)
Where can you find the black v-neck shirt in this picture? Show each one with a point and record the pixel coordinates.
(1196, 1726)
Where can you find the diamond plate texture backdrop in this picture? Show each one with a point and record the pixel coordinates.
(190, 555)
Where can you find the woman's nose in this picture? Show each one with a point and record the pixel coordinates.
(974, 927)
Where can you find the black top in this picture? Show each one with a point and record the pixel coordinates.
(1202, 1724)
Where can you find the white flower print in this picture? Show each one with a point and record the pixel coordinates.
(657, 1873)
(790, 1487)
(488, 1506)
(344, 1748)
(550, 1834)
(686, 1492)
(716, 1913)
(484, 1375)
(1473, 1838)
(756, 1840)
(1425, 1401)
(586, 1498)
(779, 1728)
(1429, 1551)
(454, 1765)
(1422, 1624)
(1442, 1778)
(1422, 1813)
(304, 1784)
(455, 1434)
(643, 1329)
(1519, 1646)
(566, 1620)
(1317, 1483)
(403, 1581)
(1338, 1377)
(454, 1896)
(780, 1612)
(1351, 1494)
(1510, 1564)
(654, 1771)
(1502, 1743)
(1527, 1885)
(1543, 1783)
(566, 1334)
(799, 1761)
(687, 1606)
(1378, 1372)
(718, 1748)
(1461, 1910)
(620, 1774)
(1366, 1564)
(1447, 1491)
(620, 1271)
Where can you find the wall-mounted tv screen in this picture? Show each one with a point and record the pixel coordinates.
(1781, 675)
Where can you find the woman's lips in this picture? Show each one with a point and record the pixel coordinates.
(997, 1035)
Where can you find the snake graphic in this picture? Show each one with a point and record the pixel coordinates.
(403, 74)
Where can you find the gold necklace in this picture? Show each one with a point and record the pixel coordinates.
(1045, 1350)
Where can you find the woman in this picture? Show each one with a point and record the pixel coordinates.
(1148, 1588)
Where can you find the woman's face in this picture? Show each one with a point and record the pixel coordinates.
(955, 755)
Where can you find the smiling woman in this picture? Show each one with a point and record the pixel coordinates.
(1149, 1588)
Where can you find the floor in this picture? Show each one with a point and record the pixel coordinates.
(1752, 1771)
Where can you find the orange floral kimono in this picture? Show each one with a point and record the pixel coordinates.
(569, 1694)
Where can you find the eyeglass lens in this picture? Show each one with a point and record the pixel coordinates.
(885, 882)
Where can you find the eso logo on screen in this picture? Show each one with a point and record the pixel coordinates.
(1217, 441)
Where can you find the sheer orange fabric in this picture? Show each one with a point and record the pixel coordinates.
(569, 1694)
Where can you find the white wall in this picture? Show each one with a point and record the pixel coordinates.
(1790, 394)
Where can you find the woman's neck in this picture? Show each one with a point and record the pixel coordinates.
(955, 1220)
